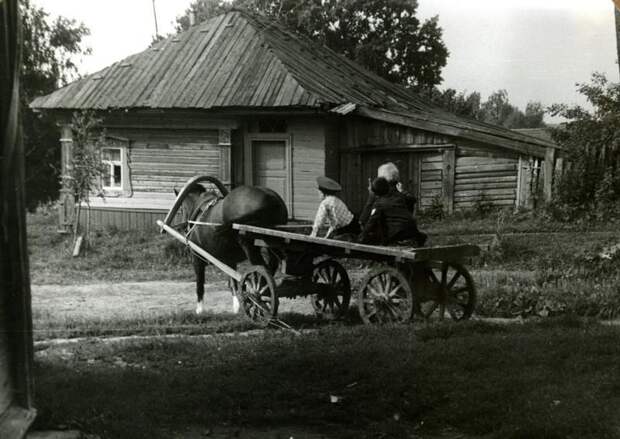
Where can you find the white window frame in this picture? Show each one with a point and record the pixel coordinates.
(105, 185)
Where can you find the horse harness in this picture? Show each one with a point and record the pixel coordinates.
(198, 212)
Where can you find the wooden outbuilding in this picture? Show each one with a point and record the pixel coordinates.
(244, 99)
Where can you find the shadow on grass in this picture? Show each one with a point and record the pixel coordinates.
(504, 381)
(181, 323)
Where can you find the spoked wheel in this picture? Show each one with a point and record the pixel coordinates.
(385, 297)
(257, 294)
(451, 290)
(332, 300)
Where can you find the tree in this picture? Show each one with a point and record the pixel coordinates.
(459, 103)
(592, 143)
(385, 36)
(49, 51)
(498, 110)
(86, 165)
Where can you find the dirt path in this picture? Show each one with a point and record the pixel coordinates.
(137, 299)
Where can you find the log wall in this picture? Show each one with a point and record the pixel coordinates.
(452, 172)
(483, 177)
(431, 174)
(163, 159)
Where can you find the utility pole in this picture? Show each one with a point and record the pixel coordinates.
(155, 18)
(617, 12)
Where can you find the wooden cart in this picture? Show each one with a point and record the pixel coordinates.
(399, 283)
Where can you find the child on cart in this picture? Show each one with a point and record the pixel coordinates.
(390, 219)
(333, 212)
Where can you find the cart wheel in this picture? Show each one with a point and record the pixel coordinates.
(333, 300)
(385, 297)
(257, 294)
(451, 289)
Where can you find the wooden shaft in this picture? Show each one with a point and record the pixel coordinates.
(200, 251)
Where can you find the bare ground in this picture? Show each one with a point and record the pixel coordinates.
(136, 299)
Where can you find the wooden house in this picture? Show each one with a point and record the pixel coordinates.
(246, 100)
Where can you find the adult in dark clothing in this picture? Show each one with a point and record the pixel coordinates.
(390, 173)
(390, 219)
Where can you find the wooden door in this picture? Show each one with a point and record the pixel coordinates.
(270, 166)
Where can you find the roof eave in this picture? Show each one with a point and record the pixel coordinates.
(534, 148)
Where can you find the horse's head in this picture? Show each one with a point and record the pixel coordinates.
(193, 202)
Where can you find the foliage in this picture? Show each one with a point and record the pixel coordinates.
(496, 110)
(435, 211)
(591, 182)
(459, 103)
(483, 206)
(49, 52)
(86, 166)
(385, 36)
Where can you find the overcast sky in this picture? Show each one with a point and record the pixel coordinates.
(535, 49)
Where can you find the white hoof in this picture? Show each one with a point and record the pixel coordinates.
(236, 305)
(199, 308)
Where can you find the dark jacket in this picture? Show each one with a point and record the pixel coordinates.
(390, 220)
(401, 199)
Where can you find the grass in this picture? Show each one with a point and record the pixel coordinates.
(156, 324)
(113, 256)
(557, 379)
(117, 256)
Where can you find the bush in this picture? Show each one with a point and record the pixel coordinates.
(590, 186)
(435, 211)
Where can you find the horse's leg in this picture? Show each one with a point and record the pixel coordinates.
(199, 269)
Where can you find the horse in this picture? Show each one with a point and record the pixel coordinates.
(209, 220)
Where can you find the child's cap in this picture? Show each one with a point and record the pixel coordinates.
(328, 184)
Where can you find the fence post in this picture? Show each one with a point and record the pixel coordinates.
(548, 173)
(66, 201)
(449, 165)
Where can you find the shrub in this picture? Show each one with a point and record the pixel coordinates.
(590, 186)
(435, 211)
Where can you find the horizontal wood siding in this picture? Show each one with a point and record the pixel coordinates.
(308, 161)
(483, 177)
(431, 170)
(160, 160)
(163, 153)
(159, 170)
(123, 218)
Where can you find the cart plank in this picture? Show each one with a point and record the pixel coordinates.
(270, 237)
(200, 251)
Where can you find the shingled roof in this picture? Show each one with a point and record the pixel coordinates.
(242, 61)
